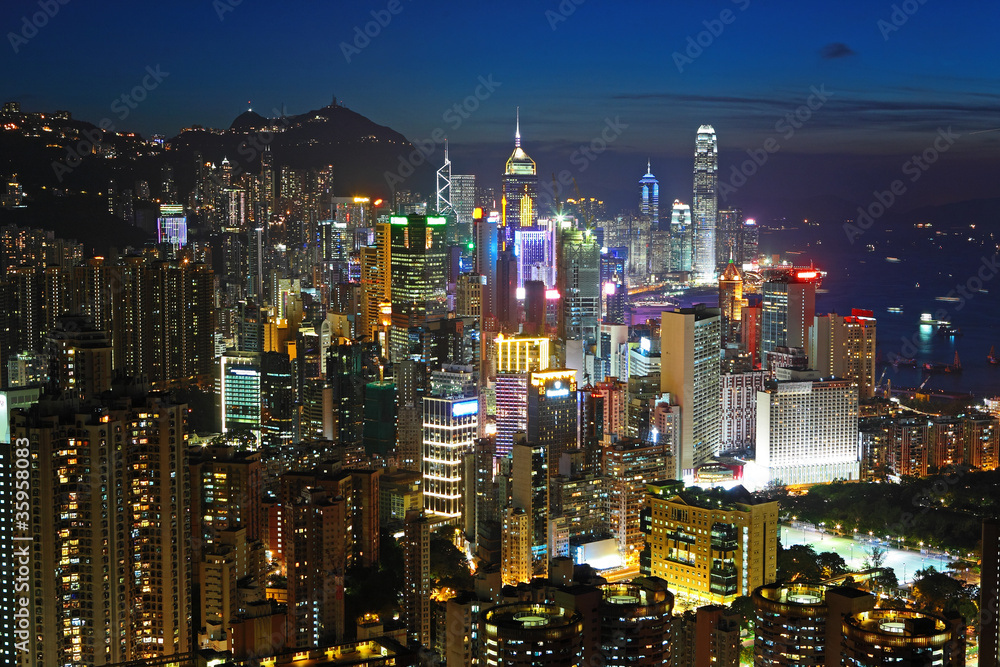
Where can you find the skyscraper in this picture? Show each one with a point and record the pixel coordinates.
(649, 189)
(844, 346)
(519, 205)
(730, 237)
(704, 204)
(731, 302)
(451, 425)
(689, 370)
(463, 201)
(788, 306)
(681, 238)
(578, 278)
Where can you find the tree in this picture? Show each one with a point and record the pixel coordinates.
(743, 606)
(798, 563)
(875, 557)
(832, 564)
(449, 566)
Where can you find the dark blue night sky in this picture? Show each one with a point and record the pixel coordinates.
(570, 67)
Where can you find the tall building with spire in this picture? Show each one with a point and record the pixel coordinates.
(705, 204)
(649, 206)
(519, 205)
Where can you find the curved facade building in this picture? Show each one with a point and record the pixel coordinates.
(635, 622)
(527, 634)
(902, 637)
(800, 624)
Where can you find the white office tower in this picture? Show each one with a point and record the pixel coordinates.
(807, 433)
(689, 371)
(705, 204)
(451, 426)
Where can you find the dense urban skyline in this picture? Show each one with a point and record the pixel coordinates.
(553, 335)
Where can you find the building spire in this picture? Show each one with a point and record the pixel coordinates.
(445, 150)
(517, 131)
(649, 169)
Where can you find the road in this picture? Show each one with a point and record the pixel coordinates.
(904, 561)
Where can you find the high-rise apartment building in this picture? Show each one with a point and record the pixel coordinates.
(552, 413)
(527, 633)
(709, 545)
(110, 560)
(883, 637)
(417, 577)
(640, 612)
(704, 203)
(731, 303)
(530, 493)
(989, 595)
(799, 622)
(628, 465)
(689, 371)
(738, 422)
(240, 392)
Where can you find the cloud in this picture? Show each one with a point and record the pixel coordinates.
(836, 50)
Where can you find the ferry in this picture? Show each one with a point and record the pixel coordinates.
(926, 319)
(893, 260)
(949, 299)
(894, 309)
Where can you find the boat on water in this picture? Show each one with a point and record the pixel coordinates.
(948, 331)
(926, 319)
(992, 356)
(954, 368)
(893, 260)
(894, 309)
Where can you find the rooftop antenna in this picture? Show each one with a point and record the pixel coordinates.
(517, 131)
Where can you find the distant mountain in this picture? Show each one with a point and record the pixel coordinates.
(359, 150)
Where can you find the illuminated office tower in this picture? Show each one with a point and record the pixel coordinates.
(417, 262)
(111, 562)
(521, 354)
(511, 411)
(628, 465)
(552, 413)
(530, 493)
(485, 227)
(535, 250)
(690, 373)
(649, 190)
(79, 357)
(277, 400)
(802, 623)
(712, 545)
(704, 203)
(442, 201)
(730, 237)
(171, 226)
(240, 392)
(505, 295)
(463, 201)
(731, 302)
(681, 238)
(749, 241)
(614, 285)
(516, 564)
(788, 306)
(451, 426)
(844, 346)
(526, 633)
(807, 432)
(578, 275)
(519, 205)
